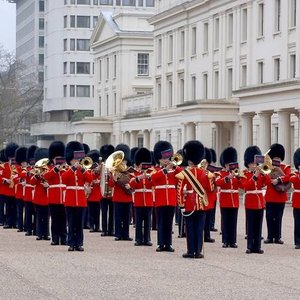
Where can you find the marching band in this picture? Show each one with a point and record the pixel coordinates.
(66, 183)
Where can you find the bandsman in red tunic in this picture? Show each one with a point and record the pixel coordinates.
(75, 200)
(295, 180)
(3, 159)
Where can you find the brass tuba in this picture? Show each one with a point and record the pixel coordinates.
(41, 166)
(114, 162)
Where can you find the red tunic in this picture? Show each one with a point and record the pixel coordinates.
(19, 181)
(165, 186)
(95, 195)
(40, 192)
(29, 188)
(212, 193)
(119, 193)
(295, 180)
(74, 181)
(6, 174)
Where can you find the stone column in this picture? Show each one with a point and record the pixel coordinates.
(126, 138)
(284, 133)
(133, 139)
(204, 133)
(146, 141)
(189, 131)
(247, 131)
(264, 130)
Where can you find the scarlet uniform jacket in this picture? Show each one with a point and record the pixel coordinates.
(254, 198)
(56, 188)
(6, 174)
(229, 190)
(165, 186)
(29, 188)
(95, 195)
(119, 194)
(187, 196)
(19, 179)
(40, 192)
(279, 197)
(74, 181)
(212, 193)
(143, 193)
(295, 180)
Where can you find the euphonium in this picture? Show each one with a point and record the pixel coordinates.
(114, 162)
(41, 165)
(177, 159)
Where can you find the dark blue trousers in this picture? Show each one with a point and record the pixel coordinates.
(142, 224)
(296, 213)
(75, 216)
(20, 214)
(165, 215)
(30, 219)
(94, 215)
(254, 219)
(122, 219)
(2, 214)
(42, 221)
(207, 225)
(274, 213)
(194, 232)
(11, 211)
(229, 225)
(107, 216)
(58, 223)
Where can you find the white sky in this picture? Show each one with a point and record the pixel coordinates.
(8, 25)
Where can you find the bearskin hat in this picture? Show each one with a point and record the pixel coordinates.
(184, 162)
(40, 153)
(208, 155)
(213, 155)
(3, 158)
(30, 154)
(153, 162)
(86, 148)
(94, 155)
(10, 150)
(56, 149)
(21, 155)
(228, 155)
(297, 158)
(277, 150)
(142, 155)
(193, 151)
(70, 148)
(159, 147)
(106, 151)
(249, 155)
(132, 154)
(125, 148)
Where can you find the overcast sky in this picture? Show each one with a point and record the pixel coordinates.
(8, 25)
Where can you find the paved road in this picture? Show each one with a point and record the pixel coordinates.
(108, 269)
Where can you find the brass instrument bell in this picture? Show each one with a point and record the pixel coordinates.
(86, 162)
(177, 159)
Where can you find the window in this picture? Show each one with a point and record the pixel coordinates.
(72, 67)
(107, 104)
(205, 37)
(100, 106)
(194, 41)
(115, 65)
(83, 44)
(159, 51)
(205, 86)
(72, 90)
(244, 75)
(260, 75)
(95, 2)
(106, 2)
(229, 29)
(260, 19)
(83, 2)
(158, 91)
(41, 23)
(72, 44)
(244, 25)
(83, 22)
(65, 21)
(41, 59)
(293, 13)
(277, 15)
(229, 82)
(217, 33)
(170, 91)
(293, 66)
(65, 2)
(83, 68)
(171, 47)
(95, 20)
(115, 103)
(65, 44)
(182, 44)
(181, 90)
(216, 85)
(41, 5)
(41, 42)
(193, 96)
(72, 21)
(107, 68)
(150, 3)
(82, 90)
(72, 1)
(143, 64)
(276, 69)
(100, 70)
(65, 90)
(128, 2)
(41, 77)
(65, 67)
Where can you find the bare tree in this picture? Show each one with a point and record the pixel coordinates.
(20, 97)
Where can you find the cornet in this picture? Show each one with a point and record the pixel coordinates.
(177, 159)
(86, 162)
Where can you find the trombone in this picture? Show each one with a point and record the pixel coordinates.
(264, 163)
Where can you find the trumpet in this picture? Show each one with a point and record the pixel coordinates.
(177, 159)
(202, 164)
(86, 162)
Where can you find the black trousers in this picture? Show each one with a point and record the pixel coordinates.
(20, 214)
(154, 219)
(142, 224)
(296, 213)
(2, 214)
(194, 232)
(274, 213)
(94, 215)
(11, 211)
(165, 215)
(207, 225)
(254, 219)
(229, 225)
(75, 216)
(122, 219)
(107, 216)
(58, 223)
(30, 217)
(42, 220)
(181, 225)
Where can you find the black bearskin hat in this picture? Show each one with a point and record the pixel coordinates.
(184, 162)
(86, 148)
(132, 154)
(297, 158)
(56, 149)
(277, 150)
(213, 155)
(159, 147)
(125, 148)
(94, 155)
(21, 155)
(153, 162)
(3, 158)
(10, 150)
(208, 155)
(142, 155)
(229, 155)
(249, 155)
(193, 151)
(40, 153)
(106, 151)
(30, 154)
(70, 148)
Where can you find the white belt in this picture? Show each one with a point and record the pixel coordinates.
(255, 192)
(143, 190)
(75, 188)
(29, 185)
(166, 186)
(229, 191)
(57, 186)
(188, 192)
(296, 191)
